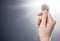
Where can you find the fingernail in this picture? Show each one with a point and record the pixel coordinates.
(45, 11)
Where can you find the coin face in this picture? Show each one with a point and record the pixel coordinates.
(44, 7)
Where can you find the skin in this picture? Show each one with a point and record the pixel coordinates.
(45, 24)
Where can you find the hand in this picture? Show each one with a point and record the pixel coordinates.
(45, 24)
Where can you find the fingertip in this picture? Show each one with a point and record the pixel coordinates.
(39, 14)
(45, 12)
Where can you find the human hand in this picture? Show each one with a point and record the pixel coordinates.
(45, 24)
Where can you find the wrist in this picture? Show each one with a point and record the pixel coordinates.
(45, 39)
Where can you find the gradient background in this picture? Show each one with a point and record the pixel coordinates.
(18, 22)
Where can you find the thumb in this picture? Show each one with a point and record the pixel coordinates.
(44, 17)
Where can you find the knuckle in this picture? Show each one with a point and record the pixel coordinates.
(54, 22)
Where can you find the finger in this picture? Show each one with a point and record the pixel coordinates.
(51, 22)
(39, 14)
(49, 16)
(39, 20)
(44, 17)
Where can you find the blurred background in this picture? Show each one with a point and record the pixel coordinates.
(18, 19)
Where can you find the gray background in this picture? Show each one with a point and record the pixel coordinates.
(16, 23)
